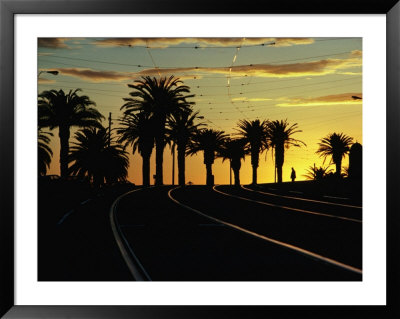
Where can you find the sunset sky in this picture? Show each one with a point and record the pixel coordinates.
(309, 81)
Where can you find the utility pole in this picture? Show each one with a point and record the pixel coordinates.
(109, 130)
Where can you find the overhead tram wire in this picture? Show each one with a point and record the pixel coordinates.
(195, 77)
(201, 95)
(272, 80)
(71, 87)
(229, 79)
(199, 77)
(97, 61)
(293, 112)
(159, 74)
(90, 89)
(334, 119)
(94, 83)
(213, 103)
(173, 67)
(256, 107)
(254, 83)
(282, 111)
(117, 108)
(100, 93)
(286, 87)
(299, 119)
(202, 46)
(67, 64)
(154, 63)
(320, 123)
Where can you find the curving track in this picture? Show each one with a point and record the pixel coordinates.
(173, 242)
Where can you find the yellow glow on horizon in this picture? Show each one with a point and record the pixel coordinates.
(319, 103)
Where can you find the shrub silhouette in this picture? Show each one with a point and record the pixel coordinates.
(336, 145)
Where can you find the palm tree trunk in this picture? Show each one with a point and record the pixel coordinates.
(279, 159)
(339, 168)
(159, 160)
(279, 172)
(146, 170)
(254, 164)
(181, 167)
(237, 176)
(236, 171)
(254, 175)
(209, 180)
(64, 134)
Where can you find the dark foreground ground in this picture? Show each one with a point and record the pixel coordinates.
(174, 243)
(75, 241)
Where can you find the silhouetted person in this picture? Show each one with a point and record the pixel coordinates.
(293, 175)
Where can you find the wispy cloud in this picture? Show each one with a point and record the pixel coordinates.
(245, 99)
(45, 53)
(166, 42)
(357, 53)
(287, 42)
(44, 80)
(313, 68)
(349, 73)
(96, 75)
(301, 69)
(336, 99)
(53, 43)
(106, 76)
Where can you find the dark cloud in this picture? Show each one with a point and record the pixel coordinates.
(313, 68)
(96, 75)
(320, 67)
(53, 43)
(335, 99)
(44, 80)
(166, 42)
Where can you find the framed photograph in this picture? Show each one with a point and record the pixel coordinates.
(174, 160)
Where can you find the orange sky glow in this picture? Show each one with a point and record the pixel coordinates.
(309, 81)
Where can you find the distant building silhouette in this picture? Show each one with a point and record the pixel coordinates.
(355, 161)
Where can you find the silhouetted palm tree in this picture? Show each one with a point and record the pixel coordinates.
(159, 98)
(95, 157)
(317, 173)
(137, 130)
(234, 150)
(181, 128)
(255, 133)
(44, 151)
(337, 146)
(209, 141)
(57, 109)
(280, 133)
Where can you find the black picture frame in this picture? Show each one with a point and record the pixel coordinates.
(9, 8)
